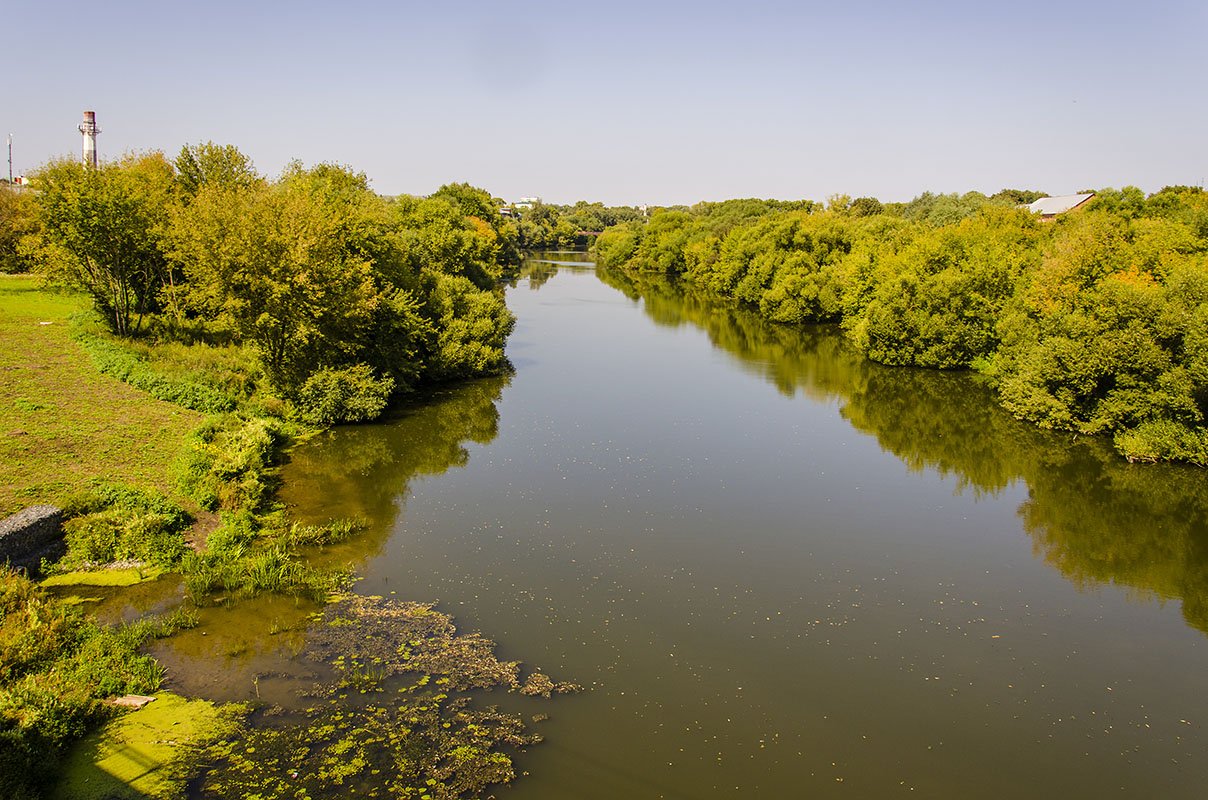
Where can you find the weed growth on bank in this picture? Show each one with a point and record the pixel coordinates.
(229, 462)
(114, 522)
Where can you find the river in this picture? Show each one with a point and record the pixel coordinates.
(781, 570)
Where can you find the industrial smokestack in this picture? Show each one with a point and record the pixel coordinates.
(89, 129)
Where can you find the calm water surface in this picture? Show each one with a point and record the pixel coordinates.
(783, 571)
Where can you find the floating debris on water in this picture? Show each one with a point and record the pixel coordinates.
(376, 730)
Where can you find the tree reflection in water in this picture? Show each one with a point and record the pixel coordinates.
(1091, 514)
(362, 472)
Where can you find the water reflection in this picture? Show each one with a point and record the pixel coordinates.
(538, 267)
(248, 650)
(364, 471)
(535, 273)
(1090, 514)
(762, 598)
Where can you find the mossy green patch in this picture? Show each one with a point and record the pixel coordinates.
(105, 577)
(142, 754)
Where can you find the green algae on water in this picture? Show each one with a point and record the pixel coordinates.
(105, 577)
(145, 753)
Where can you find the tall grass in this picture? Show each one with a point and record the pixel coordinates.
(319, 535)
(229, 462)
(251, 554)
(242, 572)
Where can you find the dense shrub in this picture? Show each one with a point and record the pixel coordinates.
(473, 327)
(1108, 336)
(1164, 440)
(351, 394)
(19, 229)
(937, 300)
(119, 535)
(616, 246)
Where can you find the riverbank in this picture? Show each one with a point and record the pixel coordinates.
(1092, 322)
(83, 440)
(202, 507)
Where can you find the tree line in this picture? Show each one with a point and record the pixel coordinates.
(548, 226)
(1095, 322)
(349, 299)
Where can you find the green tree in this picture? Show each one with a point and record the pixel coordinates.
(938, 210)
(281, 265)
(102, 231)
(617, 245)
(477, 204)
(661, 248)
(937, 300)
(866, 207)
(206, 164)
(348, 298)
(19, 228)
(1016, 197)
(1108, 339)
(472, 327)
(542, 227)
(435, 234)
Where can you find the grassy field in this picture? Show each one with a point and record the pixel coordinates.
(63, 423)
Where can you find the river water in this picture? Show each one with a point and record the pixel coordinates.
(781, 570)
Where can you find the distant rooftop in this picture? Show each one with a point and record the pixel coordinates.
(1052, 206)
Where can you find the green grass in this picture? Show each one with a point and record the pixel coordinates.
(130, 365)
(63, 424)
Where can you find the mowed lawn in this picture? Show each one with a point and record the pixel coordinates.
(63, 423)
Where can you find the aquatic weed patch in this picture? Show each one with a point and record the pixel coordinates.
(421, 747)
(130, 576)
(394, 722)
(405, 637)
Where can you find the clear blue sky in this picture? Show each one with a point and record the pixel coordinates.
(632, 102)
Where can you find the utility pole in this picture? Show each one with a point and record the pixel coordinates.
(10, 159)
